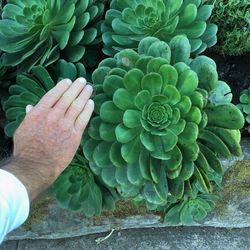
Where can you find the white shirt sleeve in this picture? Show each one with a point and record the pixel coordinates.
(14, 203)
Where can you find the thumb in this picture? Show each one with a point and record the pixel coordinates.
(28, 108)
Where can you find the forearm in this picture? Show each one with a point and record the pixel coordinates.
(31, 174)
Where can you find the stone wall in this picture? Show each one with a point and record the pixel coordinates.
(48, 221)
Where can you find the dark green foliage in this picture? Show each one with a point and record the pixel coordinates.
(192, 209)
(162, 118)
(30, 88)
(76, 189)
(244, 104)
(156, 136)
(7, 76)
(128, 22)
(233, 20)
(41, 32)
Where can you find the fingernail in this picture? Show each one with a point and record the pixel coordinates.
(68, 81)
(90, 102)
(82, 80)
(89, 88)
(28, 108)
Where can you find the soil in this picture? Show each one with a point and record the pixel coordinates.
(234, 70)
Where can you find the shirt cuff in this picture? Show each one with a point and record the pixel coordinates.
(14, 202)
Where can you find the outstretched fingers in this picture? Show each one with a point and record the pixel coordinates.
(68, 102)
(78, 104)
(61, 107)
(52, 97)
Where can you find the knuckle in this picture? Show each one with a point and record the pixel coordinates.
(32, 116)
(83, 121)
(82, 118)
(18, 130)
(66, 98)
(82, 126)
(47, 99)
(51, 96)
(77, 105)
(64, 130)
(66, 125)
(52, 119)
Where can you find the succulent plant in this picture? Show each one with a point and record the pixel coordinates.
(30, 88)
(128, 22)
(244, 104)
(77, 189)
(192, 209)
(41, 32)
(156, 136)
(233, 20)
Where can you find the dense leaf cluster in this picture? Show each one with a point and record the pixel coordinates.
(156, 136)
(244, 104)
(162, 118)
(233, 20)
(79, 190)
(128, 22)
(41, 32)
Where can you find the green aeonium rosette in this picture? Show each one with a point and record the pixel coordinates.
(42, 31)
(78, 189)
(244, 104)
(128, 22)
(156, 136)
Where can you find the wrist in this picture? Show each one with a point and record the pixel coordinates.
(30, 173)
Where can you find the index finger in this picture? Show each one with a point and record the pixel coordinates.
(52, 97)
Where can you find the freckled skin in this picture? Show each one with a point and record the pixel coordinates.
(47, 140)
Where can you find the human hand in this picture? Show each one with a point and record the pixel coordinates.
(48, 138)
